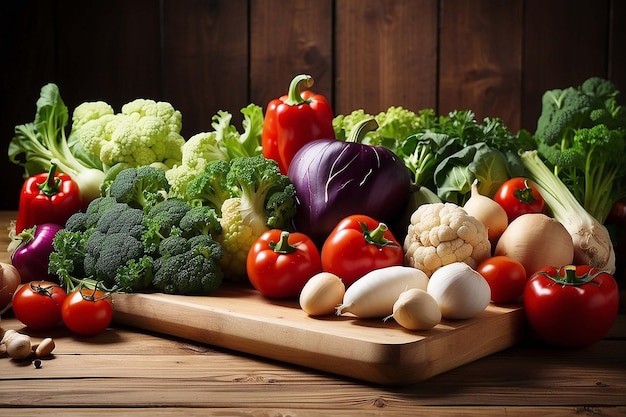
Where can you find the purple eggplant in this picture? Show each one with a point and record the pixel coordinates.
(335, 179)
(32, 255)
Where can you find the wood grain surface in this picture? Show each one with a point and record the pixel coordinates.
(241, 319)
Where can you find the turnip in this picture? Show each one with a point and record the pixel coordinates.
(459, 290)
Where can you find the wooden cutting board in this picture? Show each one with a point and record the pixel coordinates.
(370, 350)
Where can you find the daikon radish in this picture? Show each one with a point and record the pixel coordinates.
(374, 294)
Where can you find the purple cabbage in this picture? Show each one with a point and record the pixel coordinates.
(335, 179)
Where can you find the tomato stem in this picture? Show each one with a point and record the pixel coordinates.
(525, 195)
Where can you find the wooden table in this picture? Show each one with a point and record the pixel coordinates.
(136, 373)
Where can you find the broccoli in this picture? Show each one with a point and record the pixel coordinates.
(201, 220)
(565, 110)
(77, 222)
(263, 198)
(96, 208)
(168, 246)
(580, 136)
(191, 271)
(139, 187)
(160, 219)
(121, 218)
(221, 143)
(248, 195)
(174, 244)
(209, 187)
(105, 253)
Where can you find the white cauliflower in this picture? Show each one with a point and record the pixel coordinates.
(443, 233)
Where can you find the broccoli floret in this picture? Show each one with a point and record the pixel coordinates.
(121, 218)
(257, 179)
(139, 187)
(174, 244)
(193, 272)
(209, 187)
(206, 245)
(77, 222)
(202, 220)
(159, 220)
(561, 112)
(115, 250)
(96, 208)
(280, 207)
(565, 110)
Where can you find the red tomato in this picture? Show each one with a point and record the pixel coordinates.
(519, 196)
(357, 245)
(279, 263)
(571, 306)
(37, 304)
(87, 312)
(506, 277)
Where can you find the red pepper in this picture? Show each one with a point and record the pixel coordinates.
(293, 120)
(49, 197)
(357, 245)
(279, 263)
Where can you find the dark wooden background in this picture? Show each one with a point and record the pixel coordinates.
(495, 57)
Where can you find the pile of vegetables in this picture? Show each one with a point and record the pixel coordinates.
(403, 215)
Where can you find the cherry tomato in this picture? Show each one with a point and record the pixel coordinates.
(506, 277)
(519, 196)
(571, 306)
(87, 312)
(37, 304)
(279, 263)
(357, 245)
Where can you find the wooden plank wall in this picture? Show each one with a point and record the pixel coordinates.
(492, 56)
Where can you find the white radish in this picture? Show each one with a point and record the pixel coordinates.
(460, 291)
(321, 294)
(374, 294)
(415, 309)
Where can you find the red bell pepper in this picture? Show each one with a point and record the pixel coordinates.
(357, 245)
(293, 120)
(49, 197)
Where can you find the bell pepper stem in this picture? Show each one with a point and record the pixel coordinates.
(299, 81)
(282, 246)
(376, 236)
(51, 186)
(360, 129)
